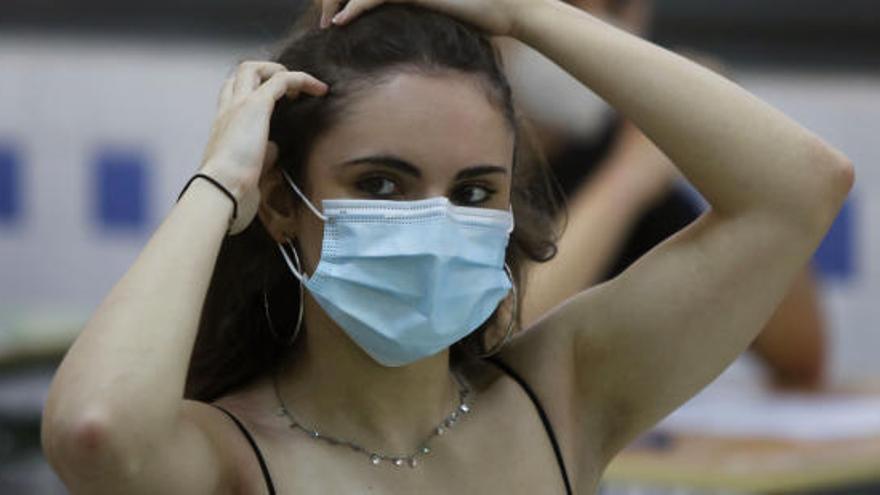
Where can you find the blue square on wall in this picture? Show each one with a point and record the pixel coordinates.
(10, 184)
(835, 258)
(121, 189)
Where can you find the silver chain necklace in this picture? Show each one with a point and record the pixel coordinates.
(376, 458)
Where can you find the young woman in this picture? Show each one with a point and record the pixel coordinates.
(378, 159)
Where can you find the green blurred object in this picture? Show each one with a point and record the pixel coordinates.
(33, 336)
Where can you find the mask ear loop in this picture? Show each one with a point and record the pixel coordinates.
(297, 270)
(303, 197)
(497, 347)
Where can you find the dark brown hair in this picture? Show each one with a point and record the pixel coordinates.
(234, 344)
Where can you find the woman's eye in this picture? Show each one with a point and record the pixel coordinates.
(378, 186)
(473, 194)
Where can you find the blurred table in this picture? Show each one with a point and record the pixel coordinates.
(32, 343)
(826, 443)
(31, 336)
(700, 464)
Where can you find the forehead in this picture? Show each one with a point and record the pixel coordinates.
(440, 122)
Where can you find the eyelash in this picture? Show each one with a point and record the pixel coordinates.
(489, 192)
(363, 185)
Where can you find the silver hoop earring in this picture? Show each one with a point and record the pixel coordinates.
(289, 341)
(497, 347)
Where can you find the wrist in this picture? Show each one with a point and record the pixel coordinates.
(230, 182)
(522, 15)
(212, 200)
(530, 19)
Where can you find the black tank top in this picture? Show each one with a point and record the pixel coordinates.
(501, 365)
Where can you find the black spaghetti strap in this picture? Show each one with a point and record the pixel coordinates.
(250, 439)
(507, 369)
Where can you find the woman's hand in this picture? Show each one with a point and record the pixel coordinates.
(239, 146)
(495, 17)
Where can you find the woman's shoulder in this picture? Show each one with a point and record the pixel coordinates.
(232, 447)
(252, 406)
(545, 359)
(541, 353)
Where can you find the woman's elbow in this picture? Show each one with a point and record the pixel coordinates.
(87, 449)
(843, 170)
(834, 179)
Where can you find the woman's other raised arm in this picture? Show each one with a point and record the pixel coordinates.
(115, 410)
(646, 341)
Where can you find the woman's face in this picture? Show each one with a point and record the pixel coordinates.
(414, 136)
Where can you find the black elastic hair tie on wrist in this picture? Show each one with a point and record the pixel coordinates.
(219, 186)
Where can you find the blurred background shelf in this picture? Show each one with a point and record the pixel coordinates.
(790, 32)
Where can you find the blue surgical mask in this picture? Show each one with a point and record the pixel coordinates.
(407, 279)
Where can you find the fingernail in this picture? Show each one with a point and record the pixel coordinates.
(323, 22)
(338, 18)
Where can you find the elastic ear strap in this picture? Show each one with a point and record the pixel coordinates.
(293, 269)
(304, 198)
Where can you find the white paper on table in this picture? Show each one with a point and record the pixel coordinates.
(732, 408)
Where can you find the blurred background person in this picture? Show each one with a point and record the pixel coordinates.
(624, 197)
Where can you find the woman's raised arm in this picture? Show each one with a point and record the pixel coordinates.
(646, 341)
(116, 399)
(616, 358)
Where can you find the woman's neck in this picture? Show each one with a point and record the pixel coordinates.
(331, 385)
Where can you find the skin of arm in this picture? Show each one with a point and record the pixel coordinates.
(601, 215)
(602, 212)
(721, 145)
(649, 339)
(792, 343)
(115, 406)
(130, 361)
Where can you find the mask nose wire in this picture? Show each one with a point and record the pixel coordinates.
(303, 197)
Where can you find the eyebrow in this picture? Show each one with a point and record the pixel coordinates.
(408, 168)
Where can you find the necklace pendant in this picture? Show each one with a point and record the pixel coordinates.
(465, 408)
(413, 462)
(398, 462)
(375, 459)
